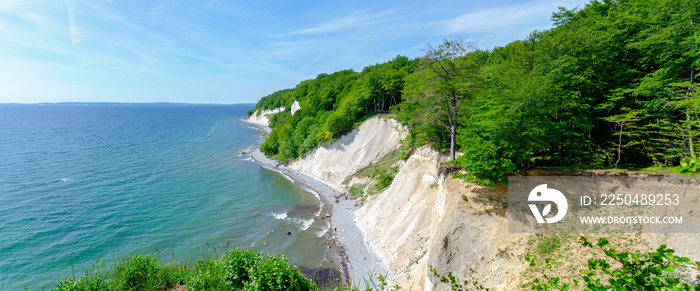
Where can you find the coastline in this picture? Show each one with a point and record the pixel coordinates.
(349, 251)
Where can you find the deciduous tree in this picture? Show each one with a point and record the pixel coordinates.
(444, 81)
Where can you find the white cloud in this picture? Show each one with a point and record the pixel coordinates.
(157, 14)
(500, 17)
(9, 4)
(73, 30)
(39, 20)
(349, 22)
(247, 48)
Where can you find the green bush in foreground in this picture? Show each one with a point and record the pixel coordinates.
(238, 269)
(637, 271)
(653, 270)
(144, 272)
(136, 272)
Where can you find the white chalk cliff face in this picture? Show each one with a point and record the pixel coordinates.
(332, 164)
(421, 219)
(295, 106)
(262, 118)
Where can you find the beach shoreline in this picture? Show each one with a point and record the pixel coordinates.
(349, 251)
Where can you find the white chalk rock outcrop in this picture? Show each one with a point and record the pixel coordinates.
(421, 220)
(295, 106)
(262, 118)
(332, 164)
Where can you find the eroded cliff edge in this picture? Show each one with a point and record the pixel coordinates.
(369, 142)
(427, 219)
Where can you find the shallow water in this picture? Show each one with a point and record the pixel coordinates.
(79, 183)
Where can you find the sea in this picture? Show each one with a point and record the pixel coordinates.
(86, 182)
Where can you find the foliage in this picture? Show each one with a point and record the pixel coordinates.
(445, 82)
(357, 190)
(385, 177)
(136, 272)
(91, 279)
(611, 84)
(636, 271)
(144, 272)
(471, 283)
(238, 269)
(274, 273)
(382, 171)
(331, 104)
(547, 283)
(628, 270)
(548, 244)
(207, 274)
(281, 98)
(691, 165)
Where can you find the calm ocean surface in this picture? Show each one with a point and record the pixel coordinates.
(81, 183)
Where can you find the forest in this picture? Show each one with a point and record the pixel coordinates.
(610, 85)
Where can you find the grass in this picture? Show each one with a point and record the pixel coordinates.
(548, 244)
(237, 270)
(357, 190)
(135, 272)
(382, 172)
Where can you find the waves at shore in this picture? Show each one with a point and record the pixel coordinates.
(81, 183)
(357, 261)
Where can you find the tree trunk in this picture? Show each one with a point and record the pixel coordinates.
(452, 141)
(690, 135)
(619, 147)
(692, 76)
(453, 129)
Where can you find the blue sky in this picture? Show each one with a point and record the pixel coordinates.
(227, 51)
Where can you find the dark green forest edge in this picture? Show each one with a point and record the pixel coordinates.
(611, 85)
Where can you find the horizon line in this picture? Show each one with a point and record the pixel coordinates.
(103, 103)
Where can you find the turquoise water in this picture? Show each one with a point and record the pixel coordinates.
(80, 183)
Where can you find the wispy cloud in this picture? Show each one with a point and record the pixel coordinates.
(352, 21)
(518, 16)
(8, 4)
(73, 30)
(236, 50)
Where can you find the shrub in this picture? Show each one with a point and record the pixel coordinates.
(237, 270)
(275, 273)
(252, 271)
(207, 274)
(237, 265)
(638, 271)
(144, 272)
(92, 279)
(385, 176)
(471, 283)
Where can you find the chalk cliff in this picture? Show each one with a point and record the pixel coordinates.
(262, 118)
(427, 219)
(332, 164)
